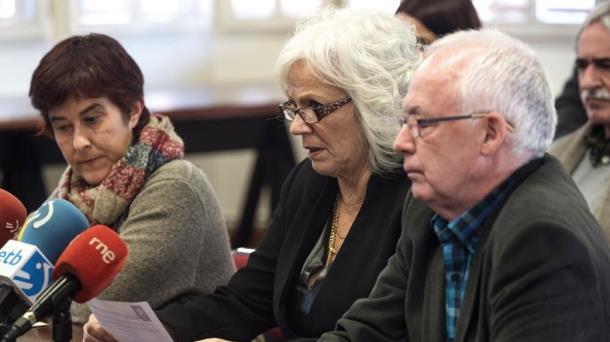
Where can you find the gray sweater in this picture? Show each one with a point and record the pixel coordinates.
(571, 150)
(177, 240)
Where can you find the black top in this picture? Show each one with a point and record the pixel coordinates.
(312, 275)
(261, 295)
(571, 112)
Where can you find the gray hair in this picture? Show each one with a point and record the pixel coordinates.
(371, 56)
(503, 74)
(600, 13)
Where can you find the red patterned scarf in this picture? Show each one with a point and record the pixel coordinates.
(157, 144)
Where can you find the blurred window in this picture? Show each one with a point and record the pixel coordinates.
(533, 11)
(563, 11)
(270, 9)
(7, 9)
(388, 6)
(264, 15)
(141, 15)
(20, 19)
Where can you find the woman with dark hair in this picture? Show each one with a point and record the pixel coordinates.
(436, 18)
(125, 170)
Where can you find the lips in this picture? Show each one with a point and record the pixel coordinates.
(595, 104)
(312, 148)
(314, 151)
(411, 171)
(89, 162)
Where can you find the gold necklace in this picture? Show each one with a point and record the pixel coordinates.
(339, 235)
(337, 208)
(332, 252)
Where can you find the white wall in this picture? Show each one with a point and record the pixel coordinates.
(558, 59)
(203, 59)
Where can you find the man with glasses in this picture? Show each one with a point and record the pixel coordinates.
(498, 243)
(586, 152)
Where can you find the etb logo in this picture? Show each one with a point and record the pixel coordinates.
(26, 266)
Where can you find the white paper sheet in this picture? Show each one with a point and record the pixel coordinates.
(129, 322)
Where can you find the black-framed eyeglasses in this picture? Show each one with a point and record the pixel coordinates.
(415, 125)
(423, 42)
(311, 114)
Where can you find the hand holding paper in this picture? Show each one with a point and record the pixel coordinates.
(126, 322)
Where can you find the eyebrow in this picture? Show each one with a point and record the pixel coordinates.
(310, 96)
(82, 112)
(582, 59)
(415, 110)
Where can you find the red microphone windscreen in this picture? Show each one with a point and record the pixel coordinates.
(12, 215)
(94, 257)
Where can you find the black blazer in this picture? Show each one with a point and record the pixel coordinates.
(571, 112)
(259, 296)
(541, 272)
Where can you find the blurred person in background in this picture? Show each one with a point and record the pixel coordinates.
(435, 18)
(585, 153)
(126, 171)
(338, 220)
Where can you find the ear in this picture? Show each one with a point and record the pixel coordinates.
(496, 129)
(136, 111)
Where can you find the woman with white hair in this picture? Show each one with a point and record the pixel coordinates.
(344, 73)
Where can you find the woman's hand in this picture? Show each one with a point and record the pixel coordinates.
(93, 332)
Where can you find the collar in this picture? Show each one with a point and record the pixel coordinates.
(464, 227)
(598, 145)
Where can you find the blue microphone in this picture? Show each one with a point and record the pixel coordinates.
(26, 264)
(52, 227)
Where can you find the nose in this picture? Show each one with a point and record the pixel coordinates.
(404, 143)
(589, 77)
(81, 139)
(299, 127)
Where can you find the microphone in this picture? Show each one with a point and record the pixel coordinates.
(53, 226)
(84, 269)
(26, 265)
(12, 215)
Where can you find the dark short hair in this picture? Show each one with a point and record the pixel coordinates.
(88, 66)
(442, 16)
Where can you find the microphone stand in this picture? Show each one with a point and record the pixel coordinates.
(11, 308)
(62, 322)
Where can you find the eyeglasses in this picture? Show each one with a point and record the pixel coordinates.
(311, 114)
(416, 125)
(423, 41)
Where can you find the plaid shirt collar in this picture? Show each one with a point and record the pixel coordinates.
(464, 227)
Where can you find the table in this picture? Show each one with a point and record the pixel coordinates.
(207, 118)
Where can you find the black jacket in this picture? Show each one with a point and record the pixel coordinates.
(259, 295)
(571, 112)
(540, 273)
